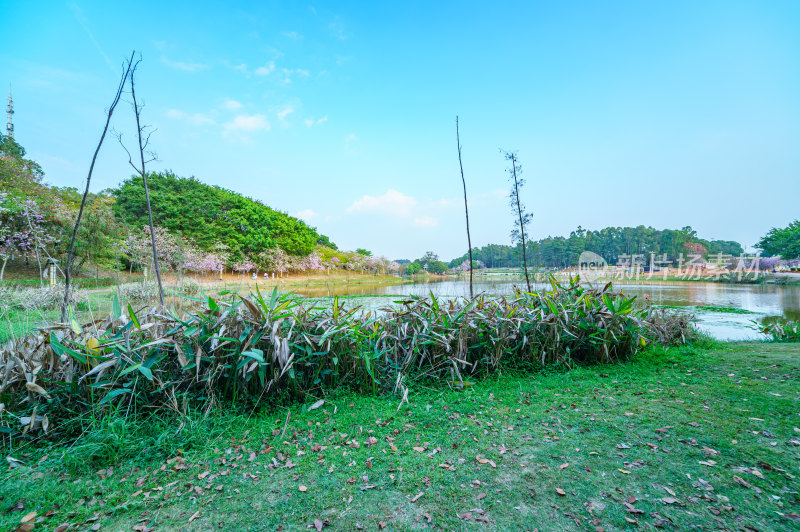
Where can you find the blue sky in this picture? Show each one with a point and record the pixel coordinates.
(622, 113)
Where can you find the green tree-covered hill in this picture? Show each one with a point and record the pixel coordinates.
(212, 216)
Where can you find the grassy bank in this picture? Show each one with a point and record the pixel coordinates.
(689, 436)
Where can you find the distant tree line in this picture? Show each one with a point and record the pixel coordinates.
(610, 243)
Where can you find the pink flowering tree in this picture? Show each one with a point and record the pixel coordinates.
(333, 263)
(313, 262)
(244, 266)
(22, 230)
(274, 260)
(171, 252)
(202, 262)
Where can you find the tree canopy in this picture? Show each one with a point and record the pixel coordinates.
(610, 243)
(213, 216)
(782, 241)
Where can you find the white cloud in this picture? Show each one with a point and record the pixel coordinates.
(241, 68)
(446, 203)
(196, 119)
(426, 221)
(292, 35)
(283, 113)
(288, 73)
(306, 215)
(392, 202)
(189, 67)
(309, 122)
(247, 124)
(266, 70)
(337, 29)
(231, 105)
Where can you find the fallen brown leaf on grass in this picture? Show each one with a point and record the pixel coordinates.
(194, 516)
(632, 509)
(302, 488)
(417, 496)
(485, 461)
(742, 482)
(561, 492)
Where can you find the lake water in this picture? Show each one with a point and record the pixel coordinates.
(760, 301)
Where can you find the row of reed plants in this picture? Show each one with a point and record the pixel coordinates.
(248, 349)
(780, 330)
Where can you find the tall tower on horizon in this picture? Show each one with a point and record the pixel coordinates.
(10, 123)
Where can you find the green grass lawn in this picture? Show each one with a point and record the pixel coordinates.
(704, 437)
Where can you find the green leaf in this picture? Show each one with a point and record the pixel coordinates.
(212, 305)
(146, 372)
(274, 298)
(255, 354)
(116, 309)
(61, 349)
(73, 323)
(143, 370)
(114, 393)
(134, 319)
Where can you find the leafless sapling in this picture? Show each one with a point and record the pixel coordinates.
(145, 156)
(466, 209)
(71, 253)
(523, 218)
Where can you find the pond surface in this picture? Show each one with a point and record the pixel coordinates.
(759, 301)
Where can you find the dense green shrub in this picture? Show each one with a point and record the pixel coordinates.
(247, 349)
(781, 330)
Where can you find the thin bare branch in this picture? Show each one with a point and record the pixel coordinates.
(143, 172)
(71, 253)
(466, 210)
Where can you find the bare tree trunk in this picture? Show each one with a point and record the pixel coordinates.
(3, 269)
(466, 210)
(143, 171)
(521, 224)
(71, 253)
(36, 245)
